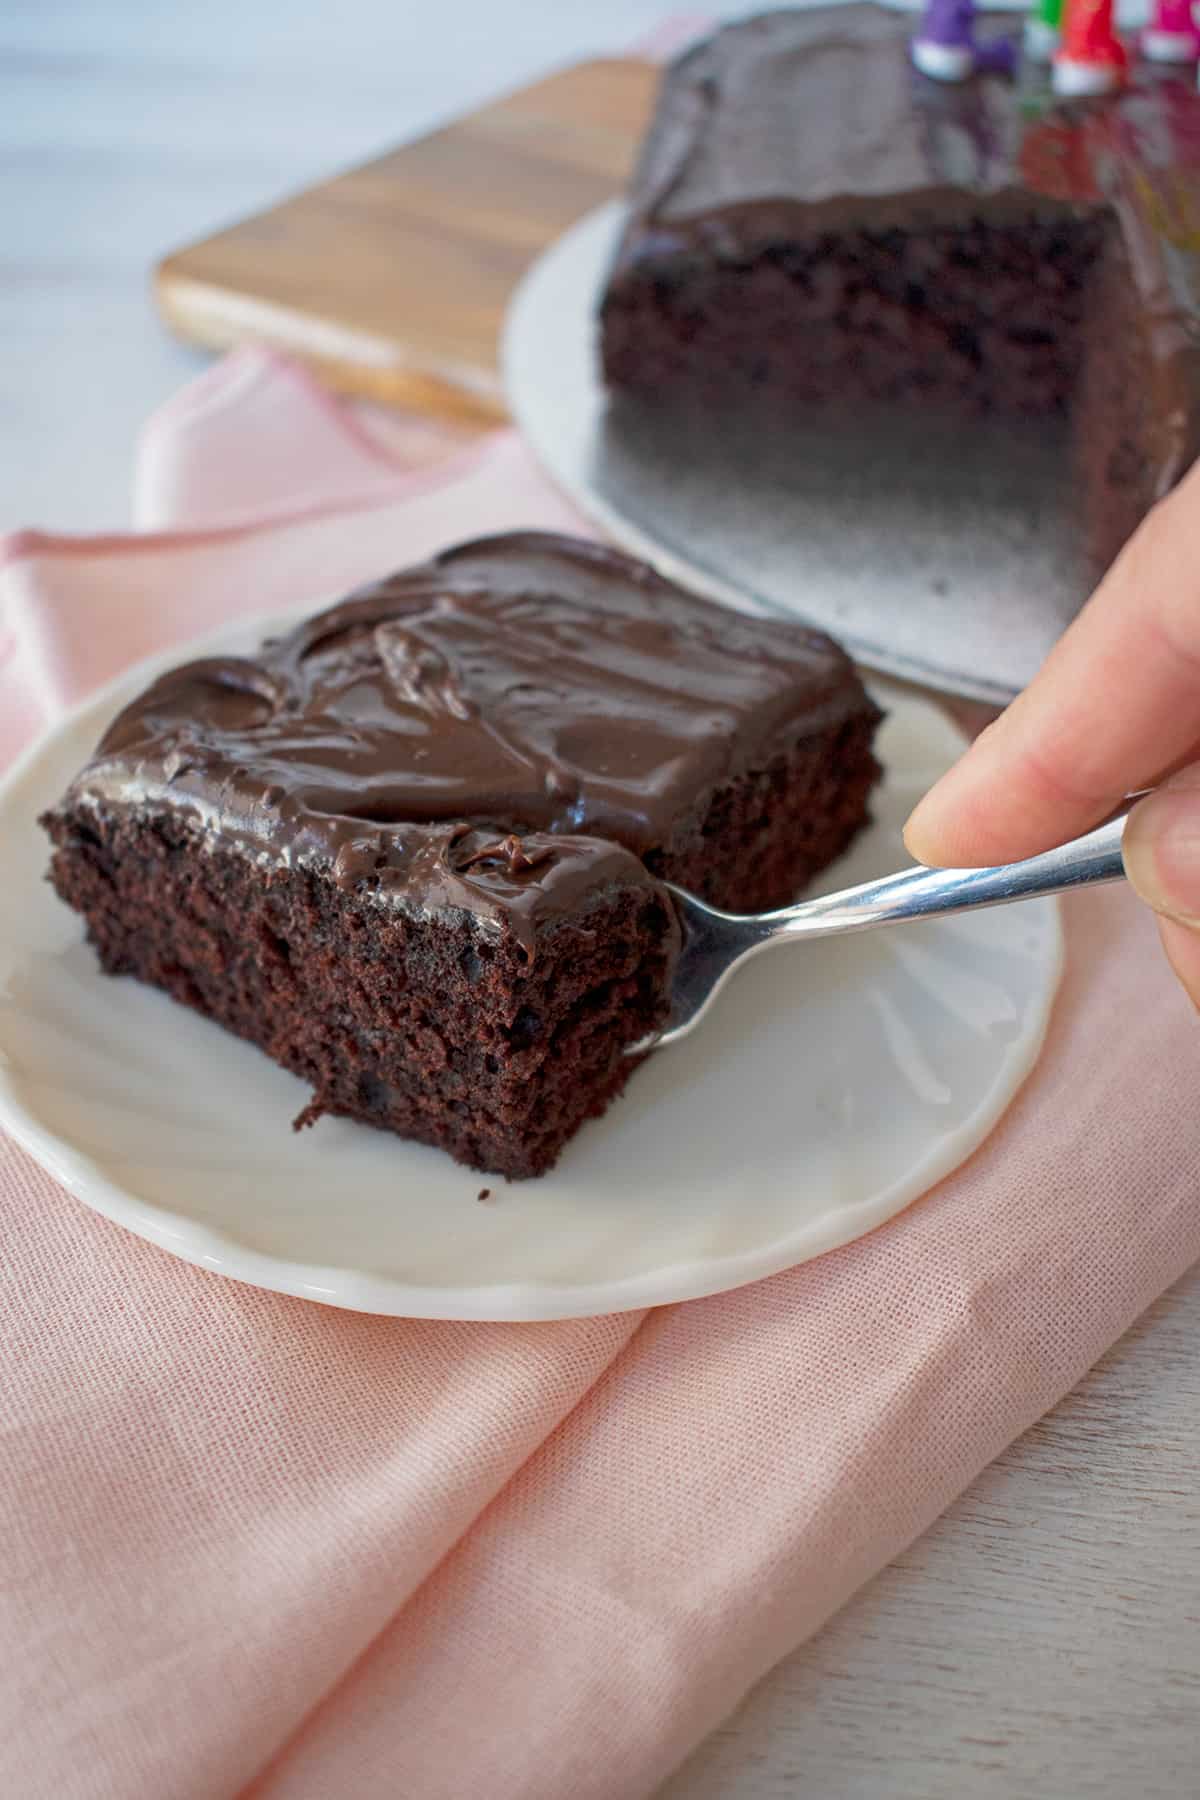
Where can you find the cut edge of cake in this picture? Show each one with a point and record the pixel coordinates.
(487, 1007)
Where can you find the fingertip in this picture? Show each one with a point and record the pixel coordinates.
(1161, 848)
(950, 827)
(919, 840)
(1182, 945)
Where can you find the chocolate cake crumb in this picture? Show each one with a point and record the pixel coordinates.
(815, 228)
(416, 848)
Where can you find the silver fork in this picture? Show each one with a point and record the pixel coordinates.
(717, 943)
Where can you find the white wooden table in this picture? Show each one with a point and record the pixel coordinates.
(1044, 1639)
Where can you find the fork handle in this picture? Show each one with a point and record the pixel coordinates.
(921, 893)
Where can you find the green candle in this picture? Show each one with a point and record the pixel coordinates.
(1043, 29)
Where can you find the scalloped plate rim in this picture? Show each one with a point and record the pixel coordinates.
(360, 1290)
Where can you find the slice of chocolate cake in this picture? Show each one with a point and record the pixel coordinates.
(414, 849)
(815, 224)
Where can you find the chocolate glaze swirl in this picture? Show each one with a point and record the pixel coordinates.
(506, 729)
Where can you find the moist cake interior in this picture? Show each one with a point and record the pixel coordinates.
(815, 227)
(415, 848)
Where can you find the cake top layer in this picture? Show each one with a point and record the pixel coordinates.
(784, 127)
(824, 108)
(502, 728)
(816, 106)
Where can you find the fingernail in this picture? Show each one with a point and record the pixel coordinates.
(1161, 849)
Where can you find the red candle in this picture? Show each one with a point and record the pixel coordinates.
(1093, 58)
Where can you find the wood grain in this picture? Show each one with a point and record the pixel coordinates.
(392, 279)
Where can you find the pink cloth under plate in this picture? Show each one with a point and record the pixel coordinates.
(249, 1544)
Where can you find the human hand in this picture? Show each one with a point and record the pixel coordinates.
(1114, 708)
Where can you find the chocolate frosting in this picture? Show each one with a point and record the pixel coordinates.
(506, 729)
(789, 125)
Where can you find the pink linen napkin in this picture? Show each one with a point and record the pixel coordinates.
(250, 1545)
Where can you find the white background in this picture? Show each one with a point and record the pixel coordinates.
(1044, 1639)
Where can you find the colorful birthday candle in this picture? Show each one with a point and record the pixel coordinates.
(945, 46)
(1171, 36)
(1043, 30)
(1093, 58)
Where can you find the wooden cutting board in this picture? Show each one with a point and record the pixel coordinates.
(392, 279)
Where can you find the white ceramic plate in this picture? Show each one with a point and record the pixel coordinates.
(833, 1084)
(951, 556)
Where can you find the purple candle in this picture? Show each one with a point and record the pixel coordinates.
(945, 46)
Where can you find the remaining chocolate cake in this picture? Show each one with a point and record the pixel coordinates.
(415, 848)
(814, 221)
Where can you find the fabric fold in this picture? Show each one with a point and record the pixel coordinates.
(778, 1445)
